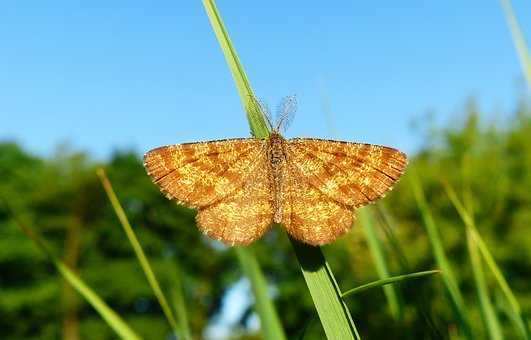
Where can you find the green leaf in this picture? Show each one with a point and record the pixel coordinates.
(388, 281)
(380, 262)
(332, 311)
(142, 259)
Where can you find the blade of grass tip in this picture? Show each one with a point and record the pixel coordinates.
(108, 315)
(254, 114)
(380, 262)
(389, 280)
(489, 261)
(452, 288)
(490, 320)
(323, 288)
(518, 40)
(142, 259)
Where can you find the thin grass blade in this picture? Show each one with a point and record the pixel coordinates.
(389, 280)
(271, 325)
(179, 304)
(380, 262)
(456, 299)
(488, 314)
(253, 110)
(108, 315)
(518, 40)
(142, 259)
(490, 262)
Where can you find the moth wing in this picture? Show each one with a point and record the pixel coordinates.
(202, 173)
(309, 215)
(353, 174)
(246, 214)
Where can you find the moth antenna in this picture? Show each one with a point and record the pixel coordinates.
(286, 112)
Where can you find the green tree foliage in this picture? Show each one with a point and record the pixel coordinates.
(488, 163)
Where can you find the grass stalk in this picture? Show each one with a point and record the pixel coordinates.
(518, 40)
(141, 256)
(490, 319)
(450, 282)
(108, 314)
(388, 281)
(178, 301)
(514, 306)
(270, 323)
(332, 311)
(380, 261)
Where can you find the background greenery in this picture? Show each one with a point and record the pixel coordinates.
(488, 163)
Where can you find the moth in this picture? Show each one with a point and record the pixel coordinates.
(241, 186)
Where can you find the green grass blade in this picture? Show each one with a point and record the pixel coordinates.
(142, 259)
(518, 40)
(389, 280)
(490, 262)
(271, 325)
(179, 305)
(254, 115)
(326, 295)
(180, 310)
(456, 299)
(108, 315)
(380, 262)
(488, 314)
(331, 308)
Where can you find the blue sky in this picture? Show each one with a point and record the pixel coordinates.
(135, 74)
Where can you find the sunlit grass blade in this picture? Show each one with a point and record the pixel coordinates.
(490, 262)
(488, 314)
(389, 280)
(455, 297)
(108, 315)
(142, 259)
(380, 261)
(518, 39)
(332, 311)
(254, 115)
